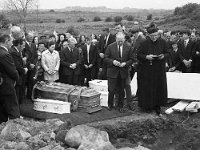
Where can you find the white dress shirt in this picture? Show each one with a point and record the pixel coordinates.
(88, 53)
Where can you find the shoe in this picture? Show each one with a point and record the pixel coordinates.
(158, 111)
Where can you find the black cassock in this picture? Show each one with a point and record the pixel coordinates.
(152, 83)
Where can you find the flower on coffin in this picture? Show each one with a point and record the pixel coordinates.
(44, 107)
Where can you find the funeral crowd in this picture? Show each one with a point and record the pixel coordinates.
(76, 60)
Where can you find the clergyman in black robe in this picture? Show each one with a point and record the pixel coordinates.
(152, 83)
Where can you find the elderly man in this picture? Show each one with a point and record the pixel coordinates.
(70, 60)
(118, 58)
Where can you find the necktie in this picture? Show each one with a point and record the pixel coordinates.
(71, 51)
(185, 43)
(119, 51)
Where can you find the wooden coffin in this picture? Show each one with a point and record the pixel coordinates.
(78, 96)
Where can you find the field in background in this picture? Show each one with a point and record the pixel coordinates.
(46, 21)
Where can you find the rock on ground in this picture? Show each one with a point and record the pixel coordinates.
(85, 138)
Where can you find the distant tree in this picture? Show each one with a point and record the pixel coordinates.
(52, 10)
(117, 18)
(186, 9)
(149, 17)
(97, 18)
(178, 11)
(108, 19)
(81, 19)
(4, 21)
(20, 8)
(72, 31)
(60, 21)
(129, 18)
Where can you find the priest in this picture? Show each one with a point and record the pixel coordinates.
(152, 84)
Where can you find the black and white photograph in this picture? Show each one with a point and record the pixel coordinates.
(99, 74)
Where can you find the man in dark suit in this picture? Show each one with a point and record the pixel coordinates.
(106, 39)
(29, 53)
(89, 60)
(9, 108)
(186, 49)
(196, 55)
(118, 57)
(16, 52)
(71, 60)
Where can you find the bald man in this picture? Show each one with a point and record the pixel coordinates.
(118, 57)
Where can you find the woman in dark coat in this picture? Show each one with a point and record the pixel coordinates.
(152, 85)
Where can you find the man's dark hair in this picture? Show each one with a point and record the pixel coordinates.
(4, 37)
(87, 39)
(18, 41)
(43, 42)
(51, 43)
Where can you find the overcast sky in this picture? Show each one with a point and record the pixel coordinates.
(146, 4)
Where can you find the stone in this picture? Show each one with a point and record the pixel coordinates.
(36, 143)
(60, 136)
(85, 137)
(14, 132)
(135, 148)
(9, 145)
(23, 135)
(65, 126)
(46, 148)
(22, 146)
(70, 148)
(58, 148)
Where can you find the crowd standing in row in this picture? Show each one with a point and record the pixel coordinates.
(115, 57)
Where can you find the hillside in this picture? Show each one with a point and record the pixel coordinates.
(185, 17)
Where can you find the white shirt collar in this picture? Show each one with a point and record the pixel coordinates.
(16, 48)
(4, 47)
(187, 40)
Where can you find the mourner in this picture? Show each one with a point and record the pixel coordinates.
(71, 60)
(9, 108)
(174, 59)
(89, 60)
(187, 46)
(152, 85)
(105, 39)
(118, 58)
(51, 63)
(196, 56)
(16, 53)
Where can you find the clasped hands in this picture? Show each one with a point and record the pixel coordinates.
(187, 63)
(153, 57)
(118, 64)
(88, 66)
(73, 66)
(51, 72)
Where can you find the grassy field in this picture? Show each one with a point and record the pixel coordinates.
(45, 21)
